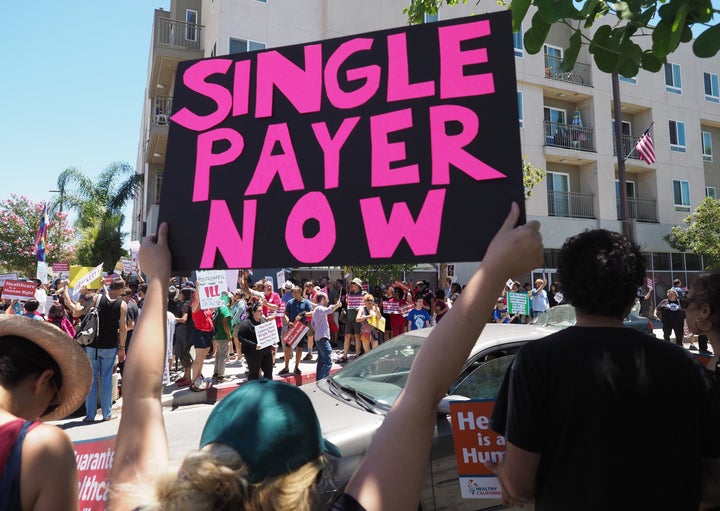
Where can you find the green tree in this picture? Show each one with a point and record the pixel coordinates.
(613, 45)
(19, 221)
(381, 273)
(532, 175)
(99, 203)
(701, 234)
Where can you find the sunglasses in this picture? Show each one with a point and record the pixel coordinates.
(684, 301)
(55, 401)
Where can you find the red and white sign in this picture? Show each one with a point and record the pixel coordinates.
(391, 307)
(210, 285)
(94, 459)
(405, 309)
(474, 443)
(355, 301)
(61, 267)
(295, 334)
(267, 334)
(18, 290)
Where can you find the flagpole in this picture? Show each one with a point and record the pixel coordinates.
(627, 228)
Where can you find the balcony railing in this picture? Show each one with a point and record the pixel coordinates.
(642, 210)
(569, 136)
(570, 204)
(580, 74)
(161, 108)
(178, 34)
(628, 144)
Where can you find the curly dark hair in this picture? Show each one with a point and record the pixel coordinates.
(600, 271)
(706, 290)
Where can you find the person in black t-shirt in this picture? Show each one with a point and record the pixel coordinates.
(586, 411)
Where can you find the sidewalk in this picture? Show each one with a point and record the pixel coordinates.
(174, 396)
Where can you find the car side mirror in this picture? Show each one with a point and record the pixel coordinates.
(444, 405)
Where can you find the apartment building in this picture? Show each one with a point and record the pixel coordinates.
(566, 119)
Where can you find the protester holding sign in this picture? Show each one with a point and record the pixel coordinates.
(369, 334)
(297, 310)
(353, 301)
(259, 358)
(321, 326)
(44, 376)
(390, 475)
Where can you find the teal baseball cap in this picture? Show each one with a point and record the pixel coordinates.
(272, 425)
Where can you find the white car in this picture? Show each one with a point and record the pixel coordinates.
(352, 403)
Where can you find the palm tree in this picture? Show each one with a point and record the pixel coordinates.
(99, 203)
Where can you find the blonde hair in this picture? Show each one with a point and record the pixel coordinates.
(215, 478)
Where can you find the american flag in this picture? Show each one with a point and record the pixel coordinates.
(645, 147)
(41, 237)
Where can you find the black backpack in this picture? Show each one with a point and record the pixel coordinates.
(89, 327)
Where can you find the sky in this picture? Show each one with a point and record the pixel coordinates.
(71, 90)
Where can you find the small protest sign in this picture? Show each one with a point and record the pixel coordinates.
(18, 290)
(94, 459)
(280, 279)
(355, 301)
(7, 276)
(377, 322)
(391, 307)
(295, 334)
(368, 170)
(61, 267)
(405, 309)
(518, 303)
(267, 334)
(210, 286)
(475, 443)
(85, 276)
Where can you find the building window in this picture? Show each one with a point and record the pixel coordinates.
(430, 18)
(191, 19)
(677, 136)
(243, 45)
(712, 89)
(673, 80)
(558, 185)
(520, 107)
(706, 145)
(625, 79)
(710, 192)
(518, 43)
(553, 57)
(681, 195)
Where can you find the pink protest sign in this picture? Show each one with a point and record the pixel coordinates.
(365, 149)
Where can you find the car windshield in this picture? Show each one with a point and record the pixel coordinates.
(560, 316)
(381, 374)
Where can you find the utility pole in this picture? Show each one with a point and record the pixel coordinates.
(61, 191)
(625, 222)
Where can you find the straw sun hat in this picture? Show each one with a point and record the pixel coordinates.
(69, 356)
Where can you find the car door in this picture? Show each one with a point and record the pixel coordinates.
(481, 380)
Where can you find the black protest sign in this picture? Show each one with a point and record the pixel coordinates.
(394, 146)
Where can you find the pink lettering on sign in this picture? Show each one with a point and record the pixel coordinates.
(399, 86)
(369, 75)
(453, 81)
(331, 148)
(313, 205)
(206, 159)
(384, 236)
(195, 79)
(241, 88)
(212, 291)
(222, 236)
(385, 152)
(449, 149)
(283, 164)
(302, 87)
